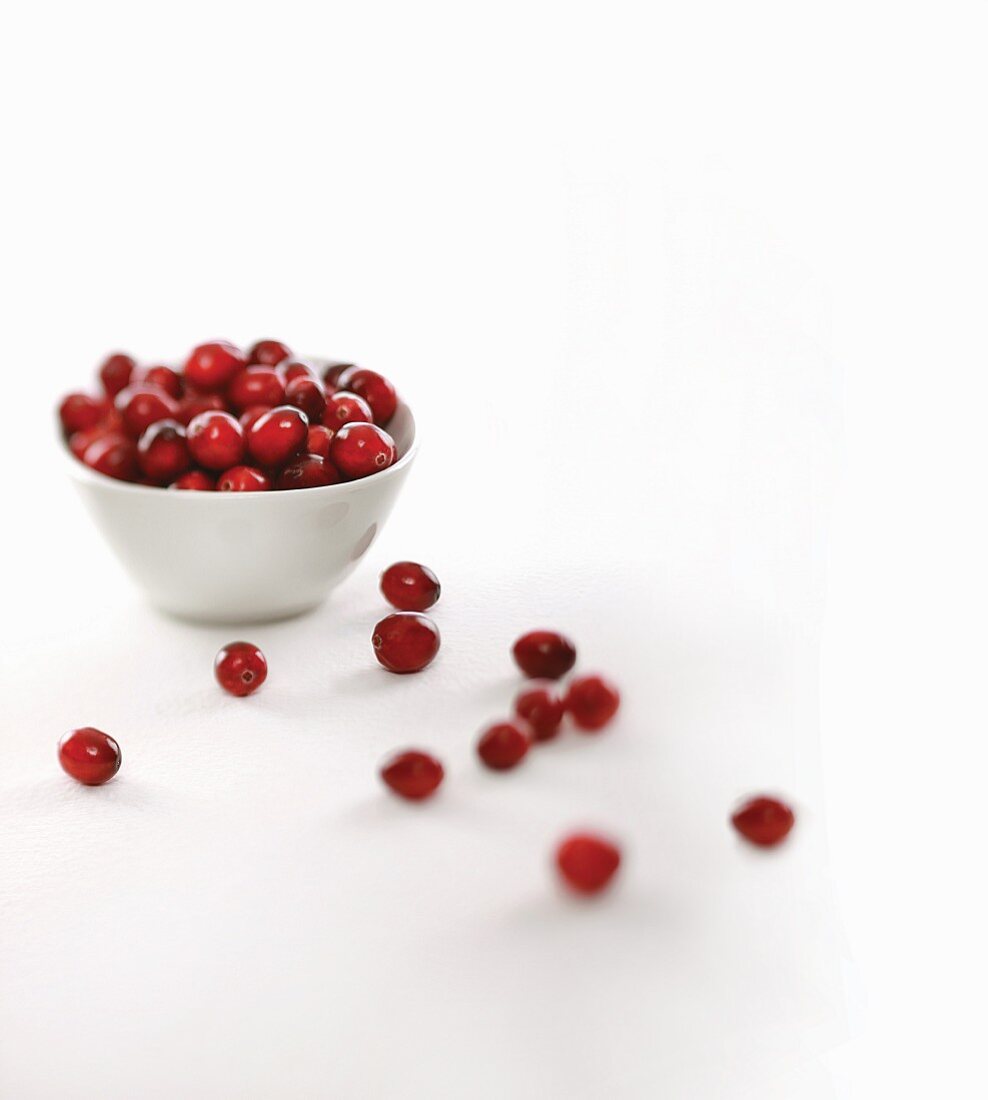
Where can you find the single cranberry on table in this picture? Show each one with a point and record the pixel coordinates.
(405, 642)
(375, 389)
(243, 479)
(190, 406)
(164, 378)
(308, 395)
(410, 586)
(79, 411)
(89, 755)
(278, 436)
(216, 440)
(240, 668)
(268, 353)
(544, 654)
(542, 708)
(763, 821)
(346, 408)
(256, 386)
(116, 372)
(141, 406)
(318, 441)
(195, 481)
(114, 455)
(587, 862)
(359, 450)
(211, 367)
(163, 451)
(412, 774)
(592, 701)
(503, 745)
(308, 472)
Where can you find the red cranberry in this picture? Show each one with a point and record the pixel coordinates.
(268, 353)
(256, 386)
(299, 368)
(346, 408)
(587, 862)
(308, 395)
(216, 440)
(544, 654)
(89, 755)
(592, 702)
(307, 472)
(410, 586)
(542, 709)
(213, 366)
(114, 455)
(405, 642)
(278, 436)
(331, 373)
(375, 389)
(249, 417)
(412, 774)
(116, 372)
(79, 441)
(359, 450)
(240, 668)
(79, 411)
(163, 453)
(195, 403)
(164, 378)
(503, 745)
(318, 441)
(763, 821)
(195, 480)
(141, 406)
(243, 479)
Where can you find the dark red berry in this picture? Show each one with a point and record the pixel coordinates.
(278, 436)
(375, 389)
(249, 417)
(116, 372)
(195, 480)
(299, 368)
(544, 654)
(542, 709)
(308, 395)
(331, 374)
(141, 406)
(346, 408)
(359, 450)
(195, 403)
(410, 586)
(412, 774)
(163, 452)
(587, 862)
(114, 455)
(763, 821)
(240, 668)
(163, 378)
(216, 440)
(79, 411)
(213, 366)
(79, 441)
(268, 353)
(256, 386)
(307, 472)
(89, 755)
(243, 479)
(405, 642)
(592, 702)
(318, 441)
(503, 745)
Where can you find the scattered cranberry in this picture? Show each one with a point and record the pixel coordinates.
(405, 642)
(114, 455)
(116, 372)
(503, 745)
(359, 450)
(544, 654)
(141, 406)
(163, 452)
(318, 441)
(331, 373)
(412, 774)
(268, 353)
(542, 709)
(587, 862)
(89, 755)
(243, 479)
(163, 378)
(592, 702)
(213, 367)
(763, 821)
(256, 386)
(346, 408)
(216, 440)
(308, 395)
(249, 417)
(194, 480)
(375, 389)
(79, 411)
(240, 668)
(307, 472)
(278, 436)
(410, 586)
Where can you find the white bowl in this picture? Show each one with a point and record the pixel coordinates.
(244, 557)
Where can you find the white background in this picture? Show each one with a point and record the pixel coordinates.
(690, 305)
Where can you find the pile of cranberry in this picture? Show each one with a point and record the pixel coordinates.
(233, 421)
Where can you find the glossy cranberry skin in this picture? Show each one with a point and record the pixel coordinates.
(410, 586)
(299, 368)
(216, 440)
(405, 642)
(359, 450)
(346, 408)
(592, 702)
(542, 710)
(763, 821)
(79, 441)
(243, 479)
(89, 755)
(194, 480)
(375, 389)
(412, 774)
(249, 417)
(164, 378)
(240, 668)
(256, 386)
(587, 862)
(213, 366)
(141, 406)
(278, 436)
(307, 472)
(116, 373)
(268, 353)
(163, 452)
(114, 455)
(331, 374)
(308, 395)
(544, 654)
(503, 745)
(195, 403)
(79, 411)
(318, 441)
